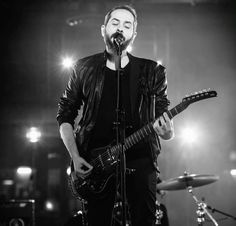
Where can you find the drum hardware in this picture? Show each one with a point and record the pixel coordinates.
(201, 210)
(188, 181)
(159, 214)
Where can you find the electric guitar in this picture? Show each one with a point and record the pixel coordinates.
(105, 158)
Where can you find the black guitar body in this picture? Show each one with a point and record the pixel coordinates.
(100, 181)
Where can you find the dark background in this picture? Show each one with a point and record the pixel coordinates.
(194, 39)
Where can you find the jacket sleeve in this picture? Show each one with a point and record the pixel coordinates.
(71, 100)
(159, 89)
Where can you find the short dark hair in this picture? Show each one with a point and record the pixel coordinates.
(126, 7)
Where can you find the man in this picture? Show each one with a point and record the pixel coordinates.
(144, 94)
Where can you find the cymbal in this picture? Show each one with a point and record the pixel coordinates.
(188, 180)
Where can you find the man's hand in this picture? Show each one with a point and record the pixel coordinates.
(81, 167)
(164, 127)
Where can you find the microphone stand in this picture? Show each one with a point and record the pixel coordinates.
(120, 135)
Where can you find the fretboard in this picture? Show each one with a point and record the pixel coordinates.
(145, 131)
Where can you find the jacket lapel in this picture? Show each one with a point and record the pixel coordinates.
(135, 70)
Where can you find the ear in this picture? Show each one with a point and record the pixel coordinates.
(103, 30)
(134, 36)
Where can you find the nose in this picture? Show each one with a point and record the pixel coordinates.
(119, 30)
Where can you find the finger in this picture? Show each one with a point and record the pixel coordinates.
(86, 164)
(162, 121)
(168, 121)
(166, 116)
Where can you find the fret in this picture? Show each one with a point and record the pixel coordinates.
(179, 109)
(176, 112)
(131, 140)
(135, 138)
(170, 114)
(144, 128)
(127, 144)
(142, 135)
(138, 135)
(148, 126)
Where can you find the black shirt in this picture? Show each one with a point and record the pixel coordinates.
(104, 132)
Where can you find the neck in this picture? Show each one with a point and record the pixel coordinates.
(113, 56)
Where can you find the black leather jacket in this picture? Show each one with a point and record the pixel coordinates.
(84, 89)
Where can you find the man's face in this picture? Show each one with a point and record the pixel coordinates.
(122, 21)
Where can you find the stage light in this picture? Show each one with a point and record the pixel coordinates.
(233, 172)
(67, 62)
(8, 182)
(189, 135)
(24, 171)
(68, 170)
(49, 205)
(33, 134)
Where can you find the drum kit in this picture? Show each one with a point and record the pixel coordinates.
(188, 182)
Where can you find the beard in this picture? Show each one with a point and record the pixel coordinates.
(109, 41)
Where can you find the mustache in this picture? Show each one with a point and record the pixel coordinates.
(118, 35)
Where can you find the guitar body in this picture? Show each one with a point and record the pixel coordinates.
(100, 180)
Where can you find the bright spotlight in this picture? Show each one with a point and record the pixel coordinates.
(189, 135)
(8, 182)
(68, 170)
(33, 134)
(24, 171)
(233, 172)
(49, 205)
(67, 62)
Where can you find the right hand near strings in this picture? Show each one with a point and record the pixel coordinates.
(81, 167)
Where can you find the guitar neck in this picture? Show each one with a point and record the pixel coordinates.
(175, 111)
(148, 129)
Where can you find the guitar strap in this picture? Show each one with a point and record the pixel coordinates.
(153, 107)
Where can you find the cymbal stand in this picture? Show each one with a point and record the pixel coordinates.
(201, 211)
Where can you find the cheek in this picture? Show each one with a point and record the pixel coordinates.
(109, 31)
(128, 34)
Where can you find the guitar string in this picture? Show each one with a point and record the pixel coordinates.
(105, 155)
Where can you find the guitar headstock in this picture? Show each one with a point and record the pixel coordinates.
(186, 101)
(197, 96)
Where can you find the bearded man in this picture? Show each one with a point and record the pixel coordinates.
(93, 86)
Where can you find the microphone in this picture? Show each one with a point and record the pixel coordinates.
(118, 38)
